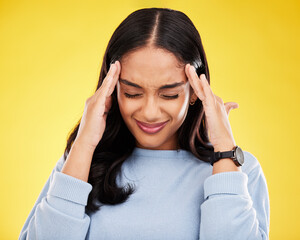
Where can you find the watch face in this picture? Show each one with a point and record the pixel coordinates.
(239, 155)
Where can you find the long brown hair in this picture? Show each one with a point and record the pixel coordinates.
(170, 30)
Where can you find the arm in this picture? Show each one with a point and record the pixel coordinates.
(59, 212)
(236, 205)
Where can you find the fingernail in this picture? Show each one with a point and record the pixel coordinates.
(193, 68)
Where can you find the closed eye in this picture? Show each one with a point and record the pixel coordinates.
(137, 95)
(131, 96)
(171, 97)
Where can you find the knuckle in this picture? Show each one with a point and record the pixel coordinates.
(87, 100)
(197, 91)
(211, 96)
(220, 100)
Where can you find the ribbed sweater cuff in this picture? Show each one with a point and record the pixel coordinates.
(226, 183)
(70, 188)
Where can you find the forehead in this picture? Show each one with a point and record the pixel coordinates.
(152, 67)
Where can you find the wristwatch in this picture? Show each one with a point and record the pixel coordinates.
(236, 155)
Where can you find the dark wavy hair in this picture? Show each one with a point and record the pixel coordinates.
(162, 28)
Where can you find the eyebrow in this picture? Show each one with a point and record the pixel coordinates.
(173, 85)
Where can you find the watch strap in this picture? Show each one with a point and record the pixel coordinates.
(220, 155)
(228, 154)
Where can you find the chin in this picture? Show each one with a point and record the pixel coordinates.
(158, 143)
(150, 144)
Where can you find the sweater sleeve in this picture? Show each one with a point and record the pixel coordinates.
(236, 204)
(59, 212)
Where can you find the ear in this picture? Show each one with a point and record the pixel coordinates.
(193, 96)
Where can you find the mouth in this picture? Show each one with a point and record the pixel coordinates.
(151, 128)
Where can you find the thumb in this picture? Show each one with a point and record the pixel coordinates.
(230, 105)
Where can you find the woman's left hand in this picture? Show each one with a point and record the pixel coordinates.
(216, 112)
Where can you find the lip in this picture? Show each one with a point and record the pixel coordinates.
(151, 128)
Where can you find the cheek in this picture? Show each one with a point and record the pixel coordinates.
(121, 101)
(126, 106)
(180, 109)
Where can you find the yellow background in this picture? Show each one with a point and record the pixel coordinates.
(50, 57)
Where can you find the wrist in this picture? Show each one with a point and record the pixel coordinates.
(79, 144)
(225, 165)
(224, 148)
(227, 158)
(79, 160)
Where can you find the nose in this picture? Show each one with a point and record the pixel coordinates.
(151, 109)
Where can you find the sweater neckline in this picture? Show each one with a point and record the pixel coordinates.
(159, 154)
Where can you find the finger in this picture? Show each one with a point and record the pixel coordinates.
(207, 89)
(111, 86)
(109, 77)
(207, 94)
(220, 100)
(230, 105)
(103, 89)
(194, 81)
(113, 82)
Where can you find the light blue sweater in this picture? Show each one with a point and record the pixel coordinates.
(177, 197)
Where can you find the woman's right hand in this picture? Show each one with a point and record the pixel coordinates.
(93, 121)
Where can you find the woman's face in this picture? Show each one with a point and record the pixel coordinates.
(153, 88)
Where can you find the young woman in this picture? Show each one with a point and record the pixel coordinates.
(153, 156)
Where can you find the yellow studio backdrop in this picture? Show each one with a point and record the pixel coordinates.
(50, 58)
